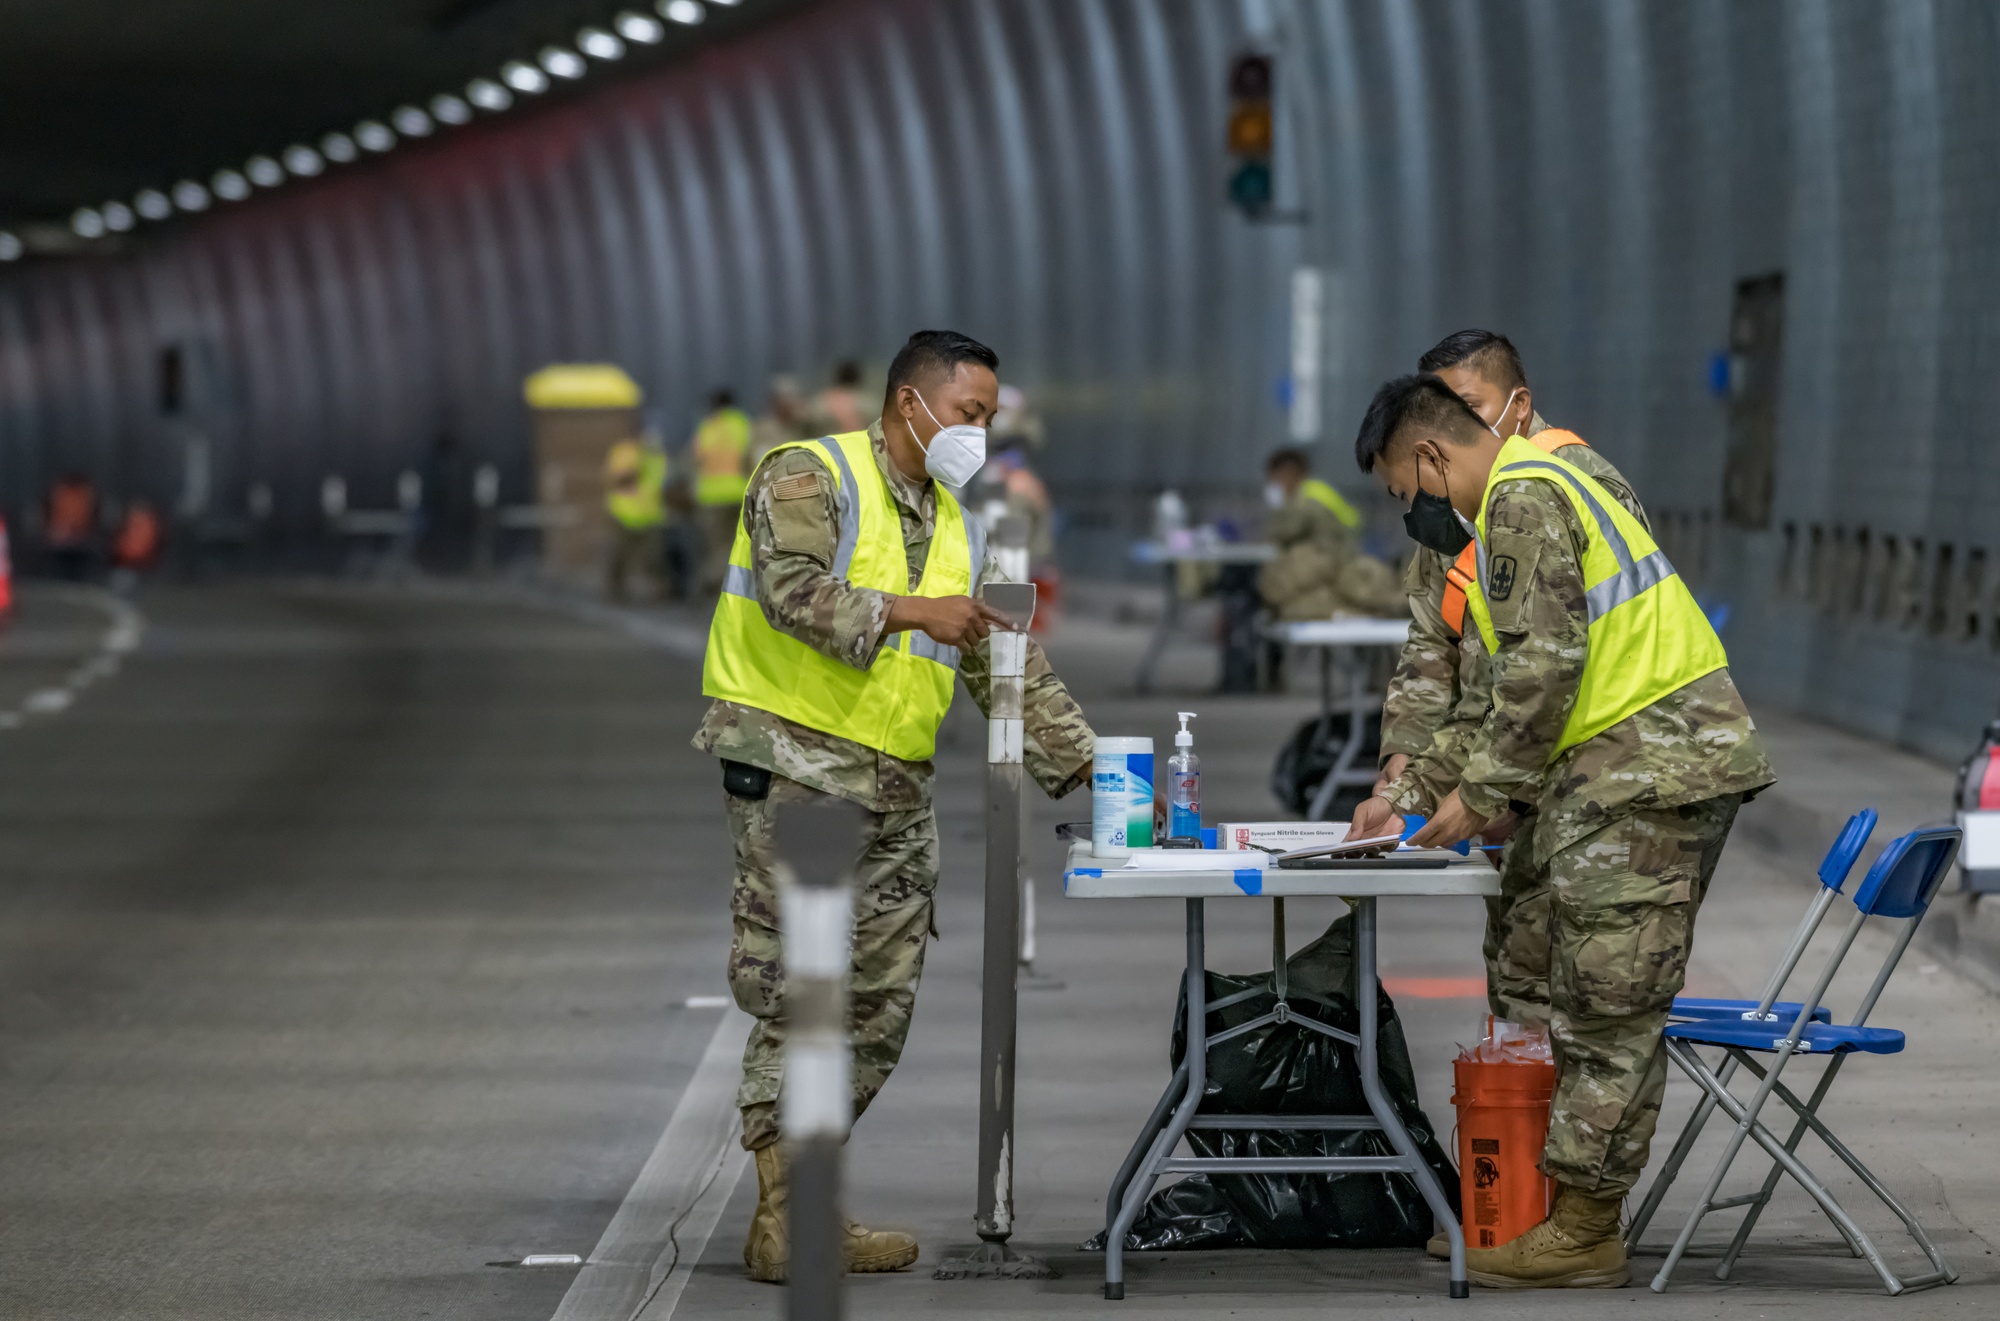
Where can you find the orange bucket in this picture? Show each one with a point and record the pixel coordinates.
(1503, 1123)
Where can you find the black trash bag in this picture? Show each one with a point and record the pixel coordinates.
(1305, 760)
(1289, 1069)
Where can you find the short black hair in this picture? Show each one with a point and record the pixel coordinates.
(930, 354)
(1421, 400)
(847, 373)
(1288, 458)
(722, 398)
(1487, 352)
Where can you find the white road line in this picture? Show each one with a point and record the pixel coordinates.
(122, 637)
(652, 1244)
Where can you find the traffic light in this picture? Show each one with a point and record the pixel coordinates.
(1250, 134)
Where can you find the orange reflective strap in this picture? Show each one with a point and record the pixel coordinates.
(1461, 575)
(1464, 571)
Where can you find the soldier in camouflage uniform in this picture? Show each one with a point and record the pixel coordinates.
(1629, 822)
(793, 525)
(1441, 690)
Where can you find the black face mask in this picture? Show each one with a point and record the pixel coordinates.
(1434, 524)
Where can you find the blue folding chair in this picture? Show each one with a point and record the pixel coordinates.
(1900, 885)
(1833, 872)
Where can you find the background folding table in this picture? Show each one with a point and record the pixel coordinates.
(1360, 883)
(1343, 644)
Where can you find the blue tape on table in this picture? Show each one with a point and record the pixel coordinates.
(1249, 880)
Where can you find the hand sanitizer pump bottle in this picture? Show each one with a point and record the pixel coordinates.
(1184, 785)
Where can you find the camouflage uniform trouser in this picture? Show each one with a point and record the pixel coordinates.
(1622, 903)
(895, 881)
(1517, 935)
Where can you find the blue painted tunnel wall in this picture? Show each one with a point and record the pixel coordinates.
(1592, 178)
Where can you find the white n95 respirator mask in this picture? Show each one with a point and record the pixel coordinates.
(956, 453)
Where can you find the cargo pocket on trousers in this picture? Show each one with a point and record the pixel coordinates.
(1622, 960)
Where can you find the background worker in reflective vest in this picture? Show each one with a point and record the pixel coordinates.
(721, 451)
(847, 613)
(1614, 718)
(635, 479)
(1320, 567)
(1441, 690)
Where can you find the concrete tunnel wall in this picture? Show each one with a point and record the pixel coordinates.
(1048, 174)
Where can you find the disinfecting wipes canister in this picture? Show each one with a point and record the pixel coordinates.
(1121, 797)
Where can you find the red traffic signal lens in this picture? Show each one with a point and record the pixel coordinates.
(1250, 78)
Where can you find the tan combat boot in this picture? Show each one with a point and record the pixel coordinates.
(767, 1253)
(1577, 1247)
(871, 1250)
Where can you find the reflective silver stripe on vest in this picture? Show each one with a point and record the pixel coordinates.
(922, 645)
(1633, 577)
(975, 544)
(738, 581)
(847, 501)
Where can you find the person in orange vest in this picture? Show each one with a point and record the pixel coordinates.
(721, 450)
(70, 523)
(137, 543)
(6, 574)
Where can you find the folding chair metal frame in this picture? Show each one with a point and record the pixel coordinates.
(1870, 901)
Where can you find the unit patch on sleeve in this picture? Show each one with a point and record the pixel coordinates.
(1500, 578)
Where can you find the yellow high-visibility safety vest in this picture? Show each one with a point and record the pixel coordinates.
(721, 444)
(641, 506)
(898, 702)
(1320, 493)
(1647, 636)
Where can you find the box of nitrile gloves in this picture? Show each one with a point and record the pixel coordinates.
(1281, 835)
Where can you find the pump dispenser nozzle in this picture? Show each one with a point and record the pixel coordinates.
(1184, 739)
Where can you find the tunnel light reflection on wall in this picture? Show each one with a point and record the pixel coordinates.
(411, 121)
(10, 247)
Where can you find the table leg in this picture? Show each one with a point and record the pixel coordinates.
(1170, 621)
(1350, 748)
(1123, 1179)
(1195, 1058)
(1371, 1087)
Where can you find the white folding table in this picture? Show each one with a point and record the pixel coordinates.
(1354, 636)
(1170, 558)
(1152, 1155)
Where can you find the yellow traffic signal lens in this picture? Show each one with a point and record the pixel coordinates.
(1250, 130)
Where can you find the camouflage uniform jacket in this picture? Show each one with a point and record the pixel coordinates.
(1440, 691)
(792, 539)
(1696, 743)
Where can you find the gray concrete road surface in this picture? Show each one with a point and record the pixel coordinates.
(349, 936)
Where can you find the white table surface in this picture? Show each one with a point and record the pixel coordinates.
(1087, 876)
(1356, 632)
(1225, 552)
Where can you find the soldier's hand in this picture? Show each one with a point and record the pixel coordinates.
(1453, 821)
(1392, 770)
(955, 621)
(1373, 819)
